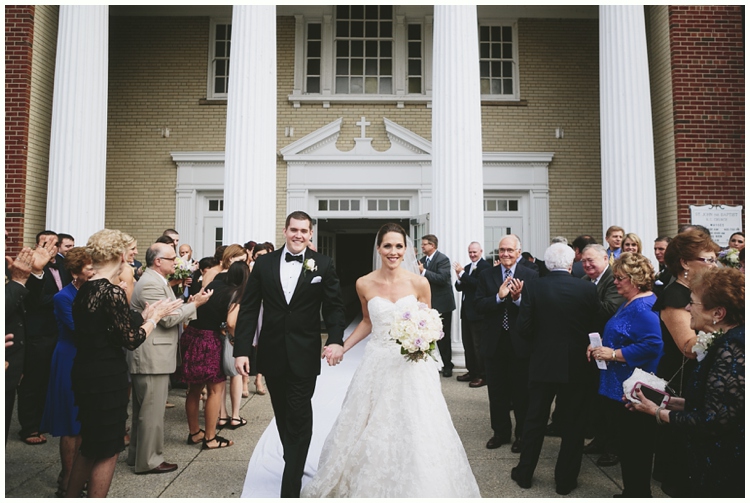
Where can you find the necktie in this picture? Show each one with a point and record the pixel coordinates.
(506, 320)
(292, 258)
(471, 269)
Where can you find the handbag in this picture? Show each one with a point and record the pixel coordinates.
(642, 377)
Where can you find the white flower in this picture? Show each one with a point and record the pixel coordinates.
(309, 265)
(417, 329)
(703, 342)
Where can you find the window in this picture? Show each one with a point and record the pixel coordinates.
(388, 204)
(314, 52)
(364, 49)
(495, 205)
(215, 205)
(218, 64)
(338, 204)
(497, 60)
(218, 237)
(414, 59)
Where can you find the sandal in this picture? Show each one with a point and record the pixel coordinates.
(36, 435)
(233, 426)
(223, 442)
(190, 440)
(222, 422)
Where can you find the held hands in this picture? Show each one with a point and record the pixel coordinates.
(333, 354)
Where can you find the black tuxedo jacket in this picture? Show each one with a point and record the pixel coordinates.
(609, 299)
(486, 304)
(39, 304)
(290, 335)
(438, 273)
(15, 323)
(557, 313)
(468, 285)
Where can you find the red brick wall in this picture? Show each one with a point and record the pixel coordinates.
(709, 105)
(19, 35)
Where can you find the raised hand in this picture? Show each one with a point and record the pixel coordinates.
(516, 286)
(20, 268)
(43, 253)
(201, 297)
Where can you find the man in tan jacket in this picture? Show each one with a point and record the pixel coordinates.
(152, 362)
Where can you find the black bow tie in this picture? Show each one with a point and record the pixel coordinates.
(291, 258)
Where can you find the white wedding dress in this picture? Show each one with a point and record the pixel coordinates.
(394, 437)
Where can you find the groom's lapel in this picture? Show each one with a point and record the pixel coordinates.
(302, 280)
(276, 274)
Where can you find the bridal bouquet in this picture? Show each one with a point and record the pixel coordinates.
(730, 258)
(417, 329)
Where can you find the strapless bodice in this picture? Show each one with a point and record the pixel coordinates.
(382, 312)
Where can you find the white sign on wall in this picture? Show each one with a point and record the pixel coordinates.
(722, 221)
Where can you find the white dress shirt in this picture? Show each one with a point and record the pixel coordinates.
(290, 272)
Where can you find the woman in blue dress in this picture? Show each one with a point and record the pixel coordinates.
(60, 413)
(632, 338)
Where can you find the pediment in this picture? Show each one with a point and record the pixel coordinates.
(320, 145)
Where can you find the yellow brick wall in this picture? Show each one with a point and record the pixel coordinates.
(157, 78)
(40, 120)
(657, 23)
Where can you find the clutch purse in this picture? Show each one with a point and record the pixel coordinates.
(642, 377)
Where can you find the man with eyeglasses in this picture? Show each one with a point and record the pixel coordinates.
(506, 357)
(153, 361)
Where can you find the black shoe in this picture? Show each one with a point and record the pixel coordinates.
(552, 430)
(447, 372)
(523, 484)
(565, 489)
(594, 447)
(465, 378)
(496, 442)
(607, 459)
(517, 446)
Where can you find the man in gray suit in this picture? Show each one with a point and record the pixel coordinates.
(152, 362)
(436, 267)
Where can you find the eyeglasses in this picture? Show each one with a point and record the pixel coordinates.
(169, 258)
(620, 278)
(693, 303)
(707, 260)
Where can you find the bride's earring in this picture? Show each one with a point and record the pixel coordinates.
(714, 322)
(686, 273)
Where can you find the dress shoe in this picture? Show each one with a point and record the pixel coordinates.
(523, 484)
(607, 459)
(496, 442)
(565, 489)
(594, 447)
(464, 377)
(477, 383)
(162, 468)
(552, 430)
(517, 446)
(447, 372)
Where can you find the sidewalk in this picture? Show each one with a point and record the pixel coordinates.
(31, 471)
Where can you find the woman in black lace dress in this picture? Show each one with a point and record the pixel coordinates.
(104, 324)
(711, 417)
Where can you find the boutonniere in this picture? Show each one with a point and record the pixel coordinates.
(309, 265)
(704, 341)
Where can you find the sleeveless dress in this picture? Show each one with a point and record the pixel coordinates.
(394, 437)
(60, 412)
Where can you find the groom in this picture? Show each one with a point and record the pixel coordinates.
(292, 284)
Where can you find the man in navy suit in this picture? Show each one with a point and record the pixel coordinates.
(557, 313)
(292, 283)
(506, 359)
(436, 267)
(472, 323)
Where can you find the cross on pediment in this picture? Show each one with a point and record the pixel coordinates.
(363, 125)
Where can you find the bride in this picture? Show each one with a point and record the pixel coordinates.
(394, 436)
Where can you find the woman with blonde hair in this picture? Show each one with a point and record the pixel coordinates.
(104, 324)
(632, 243)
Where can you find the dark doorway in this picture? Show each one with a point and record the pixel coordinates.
(355, 246)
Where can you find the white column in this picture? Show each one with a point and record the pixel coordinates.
(78, 137)
(457, 186)
(250, 162)
(627, 143)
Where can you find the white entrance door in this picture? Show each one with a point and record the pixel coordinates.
(213, 234)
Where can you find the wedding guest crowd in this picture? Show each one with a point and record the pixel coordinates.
(525, 330)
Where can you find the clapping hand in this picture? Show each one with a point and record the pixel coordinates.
(511, 286)
(458, 268)
(160, 309)
(43, 253)
(201, 297)
(333, 354)
(20, 268)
